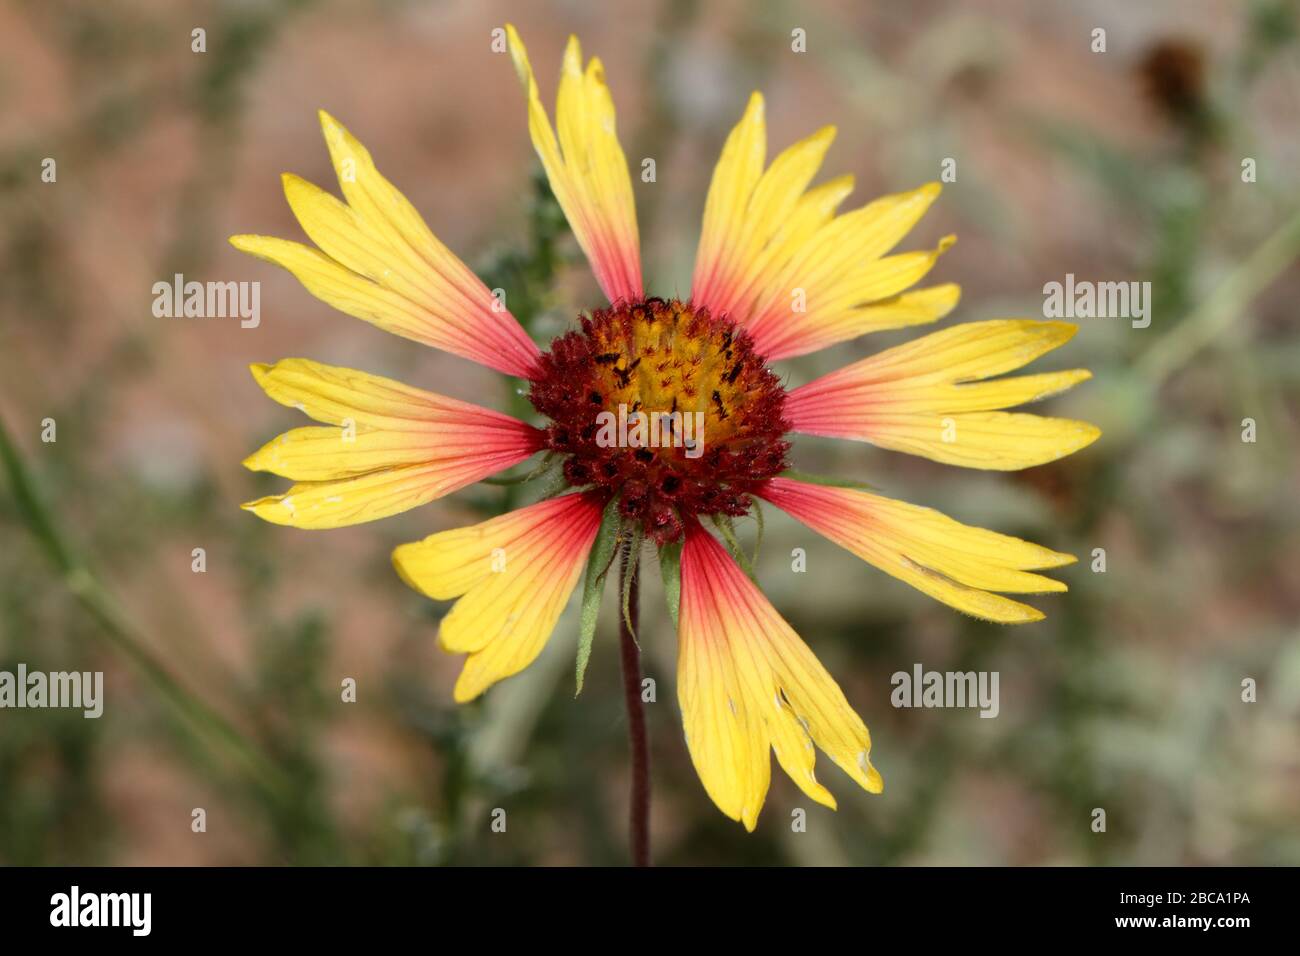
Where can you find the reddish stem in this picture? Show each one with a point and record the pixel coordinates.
(639, 804)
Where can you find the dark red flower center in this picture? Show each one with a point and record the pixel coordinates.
(665, 406)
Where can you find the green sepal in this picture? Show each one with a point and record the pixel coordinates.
(828, 481)
(598, 562)
(548, 462)
(727, 529)
(633, 562)
(758, 521)
(670, 567)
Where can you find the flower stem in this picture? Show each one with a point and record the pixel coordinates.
(1224, 305)
(639, 802)
(122, 635)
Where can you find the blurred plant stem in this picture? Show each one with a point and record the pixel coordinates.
(1173, 350)
(123, 636)
(639, 799)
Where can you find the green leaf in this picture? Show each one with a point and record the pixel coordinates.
(598, 562)
(670, 567)
(728, 531)
(546, 464)
(829, 481)
(633, 562)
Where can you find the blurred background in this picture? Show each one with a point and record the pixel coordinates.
(223, 687)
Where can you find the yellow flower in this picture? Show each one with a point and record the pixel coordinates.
(779, 273)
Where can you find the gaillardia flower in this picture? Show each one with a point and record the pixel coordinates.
(780, 272)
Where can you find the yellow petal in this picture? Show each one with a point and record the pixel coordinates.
(994, 441)
(334, 394)
(934, 397)
(586, 167)
(324, 453)
(318, 505)
(738, 171)
(847, 245)
(918, 307)
(775, 258)
(972, 350)
(513, 576)
(833, 310)
(728, 262)
(378, 261)
(952, 562)
(384, 216)
(388, 446)
(815, 208)
(747, 683)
